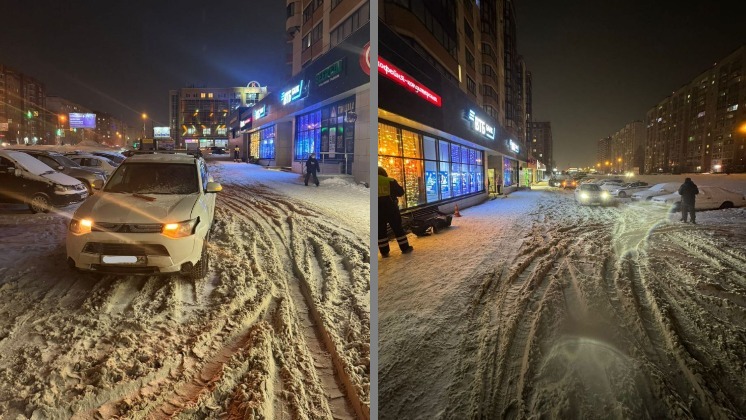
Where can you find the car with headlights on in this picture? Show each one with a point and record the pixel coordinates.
(586, 194)
(25, 179)
(656, 190)
(153, 216)
(709, 198)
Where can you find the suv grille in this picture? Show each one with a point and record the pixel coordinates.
(127, 227)
(125, 249)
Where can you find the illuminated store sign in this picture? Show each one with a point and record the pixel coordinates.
(389, 70)
(330, 73)
(243, 122)
(294, 93)
(513, 146)
(480, 126)
(260, 112)
(162, 132)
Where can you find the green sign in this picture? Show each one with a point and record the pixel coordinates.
(330, 73)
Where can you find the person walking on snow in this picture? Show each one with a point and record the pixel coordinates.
(235, 154)
(388, 214)
(687, 191)
(312, 166)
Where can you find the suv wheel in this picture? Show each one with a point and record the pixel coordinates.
(39, 204)
(199, 270)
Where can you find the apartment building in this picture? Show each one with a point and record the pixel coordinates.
(701, 127)
(454, 101)
(23, 119)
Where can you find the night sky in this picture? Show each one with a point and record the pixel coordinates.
(122, 57)
(598, 65)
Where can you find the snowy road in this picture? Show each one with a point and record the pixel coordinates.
(534, 306)
(278, 329)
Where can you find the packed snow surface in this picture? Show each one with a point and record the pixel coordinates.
(533, 306)
(278, 329)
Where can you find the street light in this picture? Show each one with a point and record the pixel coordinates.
(144, 119)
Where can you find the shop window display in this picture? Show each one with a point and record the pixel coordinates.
(308, 135)
(429, 169)
(254, 144)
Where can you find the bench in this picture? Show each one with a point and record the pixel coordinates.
(426, 220)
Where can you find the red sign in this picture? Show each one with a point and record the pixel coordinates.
(365, 59)
(392, 72)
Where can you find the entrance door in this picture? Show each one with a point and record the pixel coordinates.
(491, 181)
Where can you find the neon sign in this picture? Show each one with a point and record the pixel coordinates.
(293, 94)
(330, 73)
(480, 126)
(398, 76)
(513, 146)
(260, 112)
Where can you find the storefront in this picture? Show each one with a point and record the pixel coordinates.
(262, 144)
(431, 169)
(329, 132)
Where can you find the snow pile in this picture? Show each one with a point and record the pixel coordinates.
(533, 306)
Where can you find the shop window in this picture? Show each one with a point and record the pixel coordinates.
(411, 144)
(308, 134)
(254, 139)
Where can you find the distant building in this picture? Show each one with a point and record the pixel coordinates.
(59, 118)
(110, 130)
(198, 117)
(541, 145)
(324, 106)
(627, 149)
(22, 108)
(700, 127)
(603, 155)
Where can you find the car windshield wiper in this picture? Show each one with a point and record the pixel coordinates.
(47, 172)
(144, 197)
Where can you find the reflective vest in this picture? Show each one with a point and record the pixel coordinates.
(384, 186)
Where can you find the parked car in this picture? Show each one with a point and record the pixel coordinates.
(115, 157)
(610, 185)
(25, 179)
(555, 182)
(592, 194)
(630, 188)
(656, 190)
(60, 163)
(153, 216)
(709, 198)
(93, 161)
(569, 183)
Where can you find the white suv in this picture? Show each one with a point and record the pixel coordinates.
(153, 216)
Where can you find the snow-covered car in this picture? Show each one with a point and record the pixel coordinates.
(656, 190)
(25, 179)
(709, 198)
(628, 189)
(611, 185)
(153, 216)
(592, 194)
(115, 157)
(93, 161)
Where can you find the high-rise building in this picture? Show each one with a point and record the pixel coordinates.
(110, 130)
(540, 144)
(22, 108)
(324, 107)
(603, 155)
(454, 104)
(627, 148)
(198, 116)
(700, 127)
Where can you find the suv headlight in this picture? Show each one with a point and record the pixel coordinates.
(81, 226)
(180, 229)
(605, 195)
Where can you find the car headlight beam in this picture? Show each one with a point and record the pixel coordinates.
(80, 227)
(180, 229)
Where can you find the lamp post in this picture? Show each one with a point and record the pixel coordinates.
(144, 119)
(60, 127)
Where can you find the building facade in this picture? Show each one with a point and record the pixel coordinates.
(23, 116)
(627, 148)
(603, 155)
(540, 144)
(700, 127)
(324, 107)
(198, 117)
(110, 131)
(453, 100)
(59, 117)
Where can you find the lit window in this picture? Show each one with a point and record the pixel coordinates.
(202, 95)
(732, 108)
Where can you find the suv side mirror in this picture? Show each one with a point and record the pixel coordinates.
(213, 187)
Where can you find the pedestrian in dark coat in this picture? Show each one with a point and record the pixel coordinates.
(687, 191)
(236, 150)
(312, 166)
(389, 215)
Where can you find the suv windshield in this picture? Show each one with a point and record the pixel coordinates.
(590, 187)
(154, 178)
